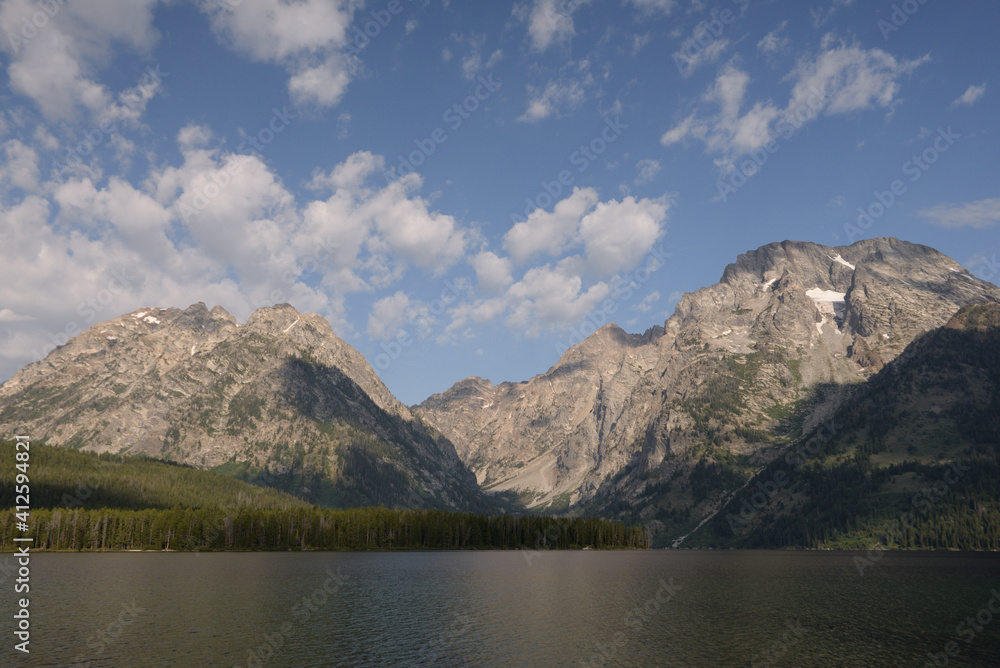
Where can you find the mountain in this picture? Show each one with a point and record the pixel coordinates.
(920, 441)
(279, 400)
(665, 426)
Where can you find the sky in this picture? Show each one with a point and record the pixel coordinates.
(468, 188)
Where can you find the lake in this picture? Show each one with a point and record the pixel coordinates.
(651, 608)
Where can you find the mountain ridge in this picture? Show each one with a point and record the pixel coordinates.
(662, 427)
(790, 324)
(279, 397)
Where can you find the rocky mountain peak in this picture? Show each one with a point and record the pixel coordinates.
(273, 319)
(784, 319)
(281, 394)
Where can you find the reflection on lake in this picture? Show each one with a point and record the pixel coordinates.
(665, 608)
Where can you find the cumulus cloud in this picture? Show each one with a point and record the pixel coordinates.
(54, 57)
(19, 167)
(430, 240)
(493, 273)
(590, 243)
(616, 235)
(389, 316)
(550, 232)
(613, 235)
(980, 214)
(217, 227)
(548, 296)
(306, 37)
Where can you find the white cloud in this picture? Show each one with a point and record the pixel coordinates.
(648, 169)
(137, 220)
(55, 65)
(969, 97)
(389, 316)
(19, 167)
(693, 55)
(216, 227)
(350, 174)
(980, 214)
(324, 83)
(819, 17)
(304, 36)
(616, 235)
(558, 97)
(849, 78)
(472, 62)
(193, 136)
(494, 59)
(430, 240)
(493, 273)
(594, 241)
(639, 41)
(548, 296)
(549, 232)
(646, 305)
(549, 21)
(773, 42)
(840, 79)
(681, 131)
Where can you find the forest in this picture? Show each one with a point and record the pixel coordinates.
(82, 501)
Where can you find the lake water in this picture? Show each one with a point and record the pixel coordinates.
(653, 608)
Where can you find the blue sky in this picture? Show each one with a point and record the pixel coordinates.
(467, 188)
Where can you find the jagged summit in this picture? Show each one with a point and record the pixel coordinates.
(281, 396)
(784, 319)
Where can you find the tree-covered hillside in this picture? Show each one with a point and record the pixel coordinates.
(913, 460)
(83, 501)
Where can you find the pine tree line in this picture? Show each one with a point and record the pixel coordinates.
(310, 529)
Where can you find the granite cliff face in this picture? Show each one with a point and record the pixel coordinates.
(280, 400)
(667, 423)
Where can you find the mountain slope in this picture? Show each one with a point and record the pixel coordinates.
(919, 441)
(63, 478)
(280, 399)
(666, 425)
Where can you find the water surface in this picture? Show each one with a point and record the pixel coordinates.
(662, 608)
